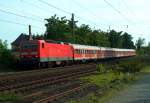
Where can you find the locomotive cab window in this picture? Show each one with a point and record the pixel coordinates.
(42, 45)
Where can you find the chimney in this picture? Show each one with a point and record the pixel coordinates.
(30, 34)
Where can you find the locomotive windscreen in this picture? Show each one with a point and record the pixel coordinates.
(29, 46)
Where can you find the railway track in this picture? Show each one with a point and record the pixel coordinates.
(70, 89)
(43, 78)
(18, 76)
(31, 72)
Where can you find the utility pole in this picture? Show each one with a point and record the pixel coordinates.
(127, 28)
(30, 34)
(73, 27)
(109, 28)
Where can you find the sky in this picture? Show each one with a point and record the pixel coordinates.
(132, 16)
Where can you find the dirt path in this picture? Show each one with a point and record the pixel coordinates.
(136, 93)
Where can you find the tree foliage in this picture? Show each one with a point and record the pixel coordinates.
(115, 39)
(5, 53)
(140, 43)
(127, 41)
(144, 50)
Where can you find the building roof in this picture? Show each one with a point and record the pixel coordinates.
(22, 37)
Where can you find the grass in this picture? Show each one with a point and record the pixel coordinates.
(146, 69)
(108, 78)
(7, 96)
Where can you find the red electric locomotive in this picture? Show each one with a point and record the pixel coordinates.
(45, 53)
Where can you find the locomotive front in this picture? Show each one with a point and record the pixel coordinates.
(29, 53)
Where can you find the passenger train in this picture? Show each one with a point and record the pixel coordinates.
(47, 53)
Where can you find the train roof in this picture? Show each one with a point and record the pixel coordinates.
(78, 46)
(116, 49)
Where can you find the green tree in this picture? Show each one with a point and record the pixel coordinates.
(127, 41)
(5, 53)
(139, 43)
(148, 49)
(115, 39)
(82, 34)
(98, 38)
(103, 39)
(57, 28)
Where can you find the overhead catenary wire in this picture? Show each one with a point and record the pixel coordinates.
(67, 12)
(22, 12)
(125, 4)
(86, 20)
(17, 23)
(119, 12)
(53, 6)
(19, 15)
(84, 8)
(32, 18)
(131, 12)
(36, 6)
(123, 16)
(27, 17)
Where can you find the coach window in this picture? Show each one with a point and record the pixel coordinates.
(78, 51)
(42, 45)
(94, 51)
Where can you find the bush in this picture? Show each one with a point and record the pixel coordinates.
(5, 54)
(9, 97)
(101, 68)
(131, 66)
